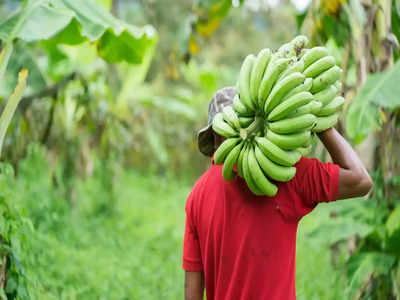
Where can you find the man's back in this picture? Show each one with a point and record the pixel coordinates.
(246, 244)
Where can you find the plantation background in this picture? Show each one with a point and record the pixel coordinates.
(101, 153)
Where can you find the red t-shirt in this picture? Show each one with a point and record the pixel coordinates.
(246, 244)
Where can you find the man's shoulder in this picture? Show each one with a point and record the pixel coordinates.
(208, 177)
(207, 180)
(305, 164)
(306, 161)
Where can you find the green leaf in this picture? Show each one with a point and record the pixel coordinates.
(393, 230)
(379, 90)
(362, 118)
(22, 59)
(157, 145)
(12, 284)
(210, 15)
(105, 3)
(300, 17)
(75, 21)
(171, 106)
(3, 294)
(396, 281)
(333, 231)
(383, 88)
(42, 22)
(396, 20)
(360, 266)
(336, 29)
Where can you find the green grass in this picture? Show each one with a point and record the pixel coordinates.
(316, 278)
(127, 244)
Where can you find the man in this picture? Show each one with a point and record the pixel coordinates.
(242, 247)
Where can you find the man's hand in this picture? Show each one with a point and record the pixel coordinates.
(354, 180)
(194, 285)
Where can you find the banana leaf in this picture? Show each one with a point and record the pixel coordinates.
(75, 21)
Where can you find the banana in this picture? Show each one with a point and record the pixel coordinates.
(272, 170)
(240, 108)
(303, 52)
(331, 107)
(244, 81)
(245, 121)
(230, 160)
(281, 89)
(239, 164)
(289, 141)
(326, 95)
(257, 73)
(223, 128)
(319, 66)
(224, 149)
(298, 43)
(293, 124)
(303, 151)
(246, 174)
(316, 106)
(324, 123)
(293, 48)
(338, 85)
(295, 67)
(302, 110)
(271, 75)
(282, 157)
(311, 108)
(290, 105)
(304, 87)
(230, 117)
(285, 51)
(313, 55)
(258, 176)
(325, 79)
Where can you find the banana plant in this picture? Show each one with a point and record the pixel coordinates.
(365, 34)
(52, 23)
(206, 18)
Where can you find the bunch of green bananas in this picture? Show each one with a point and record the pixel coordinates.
(282, 98)
(325, 74)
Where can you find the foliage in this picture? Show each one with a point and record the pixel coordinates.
(125, 246)
(379, 90)
(14, 230)
(207, 17)
(377, 230)
(361, 33)
(347, 23)
(64, 22)
(73, 22)
(88, 208)
(11, 106)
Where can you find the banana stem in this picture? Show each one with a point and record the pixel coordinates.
(12, 104)
(4, 58)
(253, 128)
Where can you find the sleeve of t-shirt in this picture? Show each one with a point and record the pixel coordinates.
(191, 248)
(315, 182)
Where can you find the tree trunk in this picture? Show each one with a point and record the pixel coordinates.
(115, 8)
(385, 62)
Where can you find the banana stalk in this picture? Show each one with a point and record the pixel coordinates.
(253, 128)
(12, 104)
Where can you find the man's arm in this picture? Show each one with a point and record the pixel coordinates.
(354, 180)
(194, 285)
